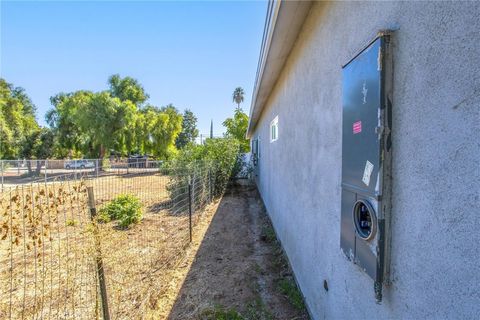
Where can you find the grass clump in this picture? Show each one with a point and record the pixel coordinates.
(268, 233)
(71, 222)
(257, 310)
(126, 209)
(289, 288)
(220, 313)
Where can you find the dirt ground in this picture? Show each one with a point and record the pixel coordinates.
(234, 269)
(47, 247)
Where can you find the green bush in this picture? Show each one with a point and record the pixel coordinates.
(125, 208)
(219, 157)
(105, 164)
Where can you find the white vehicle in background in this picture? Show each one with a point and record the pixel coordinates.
(78, 164)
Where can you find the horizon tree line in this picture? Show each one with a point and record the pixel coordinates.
(119, 120)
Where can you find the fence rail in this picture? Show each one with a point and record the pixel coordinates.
(58, 260)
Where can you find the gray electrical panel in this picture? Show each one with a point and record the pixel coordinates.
(366, 160)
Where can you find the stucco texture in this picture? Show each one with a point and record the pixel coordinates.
(435, 259)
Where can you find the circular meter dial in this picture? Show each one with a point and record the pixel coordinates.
(364, 219)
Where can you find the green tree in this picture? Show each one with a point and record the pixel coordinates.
(38, 144)
(93, 124)
(156, 130)
(17, 119)
(127, 89)
(103, 120)
(46, 144)
(237, 128)
(167, 126)
(64, 121)
(237, 96)
(189, 130)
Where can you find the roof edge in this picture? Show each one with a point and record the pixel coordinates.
(283, 22)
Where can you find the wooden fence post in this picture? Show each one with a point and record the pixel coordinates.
(98, 256)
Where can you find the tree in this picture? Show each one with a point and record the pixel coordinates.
(94, 123)
(189, 130)
(46, 144)
(167, 126)
(64, 121)
(17, 119)
(238, 94)
(237, 128)
(105, 123)
(127, 89)
(38, 144)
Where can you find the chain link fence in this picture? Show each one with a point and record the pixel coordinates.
(59, 260)
(14, 172)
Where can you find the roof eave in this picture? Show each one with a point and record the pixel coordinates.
(282, 25)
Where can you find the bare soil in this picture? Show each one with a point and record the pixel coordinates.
(47, 252)
(233, 267)
(47, 248)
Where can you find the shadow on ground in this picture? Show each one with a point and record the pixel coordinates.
(239, 271)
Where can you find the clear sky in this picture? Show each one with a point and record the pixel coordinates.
(190, 54)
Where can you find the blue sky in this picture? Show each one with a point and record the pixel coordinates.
(190, 54)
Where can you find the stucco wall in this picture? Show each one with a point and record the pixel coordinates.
(436, 160)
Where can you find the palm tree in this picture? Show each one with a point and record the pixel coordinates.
(238, 96)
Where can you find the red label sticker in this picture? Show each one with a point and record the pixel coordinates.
(357, 127)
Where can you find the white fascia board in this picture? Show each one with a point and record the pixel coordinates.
(282, 25)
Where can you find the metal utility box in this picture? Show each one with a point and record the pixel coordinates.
(366, 160)
(254, 152)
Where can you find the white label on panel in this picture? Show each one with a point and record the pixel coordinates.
(367, 173)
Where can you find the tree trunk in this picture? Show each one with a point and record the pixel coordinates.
(101, 156)
(102, 152)
(38, 168)
(29, 167)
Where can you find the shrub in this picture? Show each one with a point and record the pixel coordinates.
(105, 164)
(220, 156)
(126, 208)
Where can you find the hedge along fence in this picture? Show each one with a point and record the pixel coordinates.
(50, 246)
(219, 158)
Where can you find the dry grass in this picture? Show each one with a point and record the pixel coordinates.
(47, 266)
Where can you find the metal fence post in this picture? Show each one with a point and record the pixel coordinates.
(98, 256)
(210, 185)
(190, 208)
(46, 166)
(96, 168)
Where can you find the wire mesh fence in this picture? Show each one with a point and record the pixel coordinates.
(56, 254)
(14, 172)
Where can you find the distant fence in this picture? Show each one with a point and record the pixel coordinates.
(58, 260)
(25, 171)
